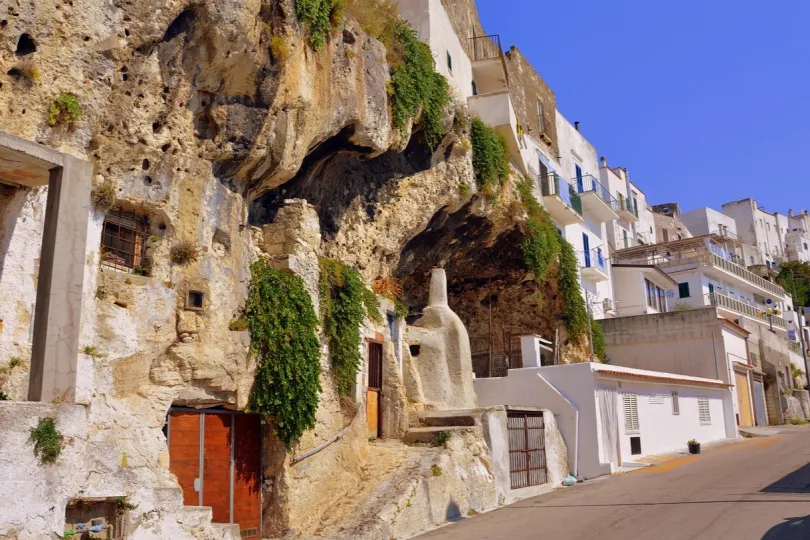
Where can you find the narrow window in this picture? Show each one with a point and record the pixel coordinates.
(541, 124)
(651, 301)
(123, 242)
(683, 290)
(665, 235)
(449, 62)
(703, 411)
(630, 413)
(474, 89)
(676, 406)
(195, 300)
(662, 300)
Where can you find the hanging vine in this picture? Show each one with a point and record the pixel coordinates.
(283, 335)
(543, 247)
(345, 303)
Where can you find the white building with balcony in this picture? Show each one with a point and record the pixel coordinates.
(708, 272)
(635, 225)
(763, 231)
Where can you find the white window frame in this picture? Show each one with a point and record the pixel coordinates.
(704, 411)
(631, 423)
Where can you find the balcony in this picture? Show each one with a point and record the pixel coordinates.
(741, 308)
(597, 200)
(488, 66)
(561, 200)
(495, 110)
(594, 265)
(627, 210)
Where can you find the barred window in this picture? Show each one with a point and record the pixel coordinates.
(123, 242)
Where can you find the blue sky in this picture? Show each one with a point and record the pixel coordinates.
(703, 101)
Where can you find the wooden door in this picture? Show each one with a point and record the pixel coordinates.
(744, 399)
(184, 453)
(247, 484)
(217, 466)
(374, 392)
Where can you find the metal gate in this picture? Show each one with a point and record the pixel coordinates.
(527, 448)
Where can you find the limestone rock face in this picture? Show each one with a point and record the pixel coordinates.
(443, 366)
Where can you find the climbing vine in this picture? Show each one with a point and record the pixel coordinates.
(415, 84)
(598, 341)
(490, 159)
(345, 303)
(283, 335)
(47, 441)
(543, 247)
(319, 16)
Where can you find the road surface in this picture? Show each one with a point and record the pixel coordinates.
(757, 489)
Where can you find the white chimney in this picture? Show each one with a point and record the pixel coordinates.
(438, 287)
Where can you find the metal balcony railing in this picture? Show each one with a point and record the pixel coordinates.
(626, 205)
(486, 47)
(591, 184)
(720, 300)
(594, 259)
(554, 185)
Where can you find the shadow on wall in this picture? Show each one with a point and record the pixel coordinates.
(796, 482)
(790, 529)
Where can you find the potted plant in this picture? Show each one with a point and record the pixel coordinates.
(694, 446)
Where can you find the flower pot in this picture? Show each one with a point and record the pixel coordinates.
(694, 448)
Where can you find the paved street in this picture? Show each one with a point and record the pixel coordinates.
(754, 489)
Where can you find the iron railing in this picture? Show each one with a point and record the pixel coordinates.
(723, 301)
(594, 259)
(486, 47)
(626, 205)
(553, 185)
(123, 242)
(590, 184)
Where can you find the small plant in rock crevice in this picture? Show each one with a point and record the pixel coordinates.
(441, 438)
(283, 337)
(47, 441)
(280, 49)
(14, 361)
(65, 110)
(436, 470)
(104, 196)
(184, 252)
(90, 350)
(238, 325)
(319, 16)
(4, 396)
(345, 303)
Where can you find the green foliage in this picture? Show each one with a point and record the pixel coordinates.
(795, 276)
(4, 396)
(123, 503)
(490, 156)
(441, 438)
(283, 335)
(69, 534)
(280, 49)
(47, 441)
(796, 421)
(14, 361)
(400, 309)
(92, 351)
(65, 110)
(598, 340)
(345, 303)
(238, 325)
(104, 195)
(437, 471)
(319, 16)
(542, 247)
(416, 86)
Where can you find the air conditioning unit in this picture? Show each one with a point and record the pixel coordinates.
(607, 305)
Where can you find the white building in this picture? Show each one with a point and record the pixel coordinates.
(636, 225)
(706, 220)
(797, 239)
(610, 416)
(641, 289)
(764, 231)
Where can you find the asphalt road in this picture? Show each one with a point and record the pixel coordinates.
(750, 490)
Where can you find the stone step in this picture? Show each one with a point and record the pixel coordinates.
(458, 418)
(195, 516)
(426, 435)
(169, 499)
(228, 531)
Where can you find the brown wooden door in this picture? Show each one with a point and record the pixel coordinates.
(247, 496)
(217, 466)
(744, 399)
(374, 392)
(184, 452)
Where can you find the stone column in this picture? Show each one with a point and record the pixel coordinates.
(60, 284)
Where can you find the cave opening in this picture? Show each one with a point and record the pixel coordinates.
(489, 287)
(338, 174)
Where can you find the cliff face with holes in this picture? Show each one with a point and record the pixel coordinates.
(203, 133)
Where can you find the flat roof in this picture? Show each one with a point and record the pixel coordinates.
(621, 371)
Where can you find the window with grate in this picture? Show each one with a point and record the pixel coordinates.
(630, 413)
(703, 411)
(123, 242)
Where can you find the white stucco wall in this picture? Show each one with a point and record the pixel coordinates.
(708, 221)
(630, 291)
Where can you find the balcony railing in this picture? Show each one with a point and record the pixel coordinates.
(486, 47)
(554, 185)
(594, 259)
(795, 347)
(722, 301)
(591, 184)
(626, 205)
(741, 272)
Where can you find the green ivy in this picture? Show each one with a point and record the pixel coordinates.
(319, 16)
(542, 247)
(345, 303)
(47, 441)
(490, 155)
(283, 335)
(598, 341)
(416, 86)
